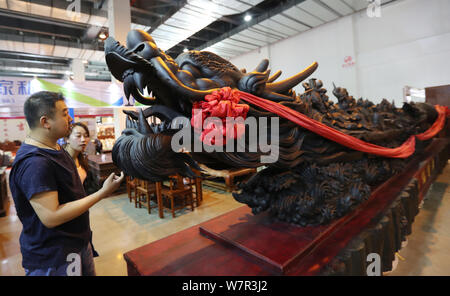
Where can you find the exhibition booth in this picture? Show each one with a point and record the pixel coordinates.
(248, 146)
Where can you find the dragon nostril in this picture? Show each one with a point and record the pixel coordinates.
(139, 48)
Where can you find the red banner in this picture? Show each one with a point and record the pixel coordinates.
(403, 151)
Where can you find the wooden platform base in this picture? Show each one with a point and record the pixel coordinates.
(239, 243)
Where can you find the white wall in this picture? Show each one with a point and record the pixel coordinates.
(327, 44)
(408, 45)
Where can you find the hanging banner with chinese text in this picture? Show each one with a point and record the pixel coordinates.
(15, 90)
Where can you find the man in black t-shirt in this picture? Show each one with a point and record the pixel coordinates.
(49, 196)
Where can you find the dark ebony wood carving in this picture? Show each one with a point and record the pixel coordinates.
(314, 180)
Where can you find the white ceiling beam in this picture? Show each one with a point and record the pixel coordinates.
(298, 14)
(318, 10)
(288, 22)
(339, 6)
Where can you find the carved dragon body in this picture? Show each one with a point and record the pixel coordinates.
(314, 179)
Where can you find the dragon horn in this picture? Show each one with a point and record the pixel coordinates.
(129, 122)
(274, 77)
(144, 127)
(287, 84)
(262, 66)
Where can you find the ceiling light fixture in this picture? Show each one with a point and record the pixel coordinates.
(248, 18)
(102, 36)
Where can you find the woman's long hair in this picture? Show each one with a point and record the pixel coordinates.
(82, 159)
(89, 183)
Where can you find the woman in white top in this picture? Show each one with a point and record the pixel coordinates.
(77, 141)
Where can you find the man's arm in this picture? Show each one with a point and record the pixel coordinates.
(52, 214)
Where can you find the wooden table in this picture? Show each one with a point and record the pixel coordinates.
(228, 176)
(241, 244)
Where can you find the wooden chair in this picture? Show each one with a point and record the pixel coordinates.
(196, 184)
(131, 189)
(145, 189)
(179, 191)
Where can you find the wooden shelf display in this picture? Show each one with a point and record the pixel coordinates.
(105, 133)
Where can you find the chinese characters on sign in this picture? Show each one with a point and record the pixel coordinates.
(12, 129)
(11, 88)
(348, 62)
(6, 87)
(14, 91)
(23, 87)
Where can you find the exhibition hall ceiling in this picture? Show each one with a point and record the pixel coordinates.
(42, 37)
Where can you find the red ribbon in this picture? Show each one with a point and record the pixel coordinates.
(222, 104)
(437, 126)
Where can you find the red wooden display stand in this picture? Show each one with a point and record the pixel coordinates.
(239, 243)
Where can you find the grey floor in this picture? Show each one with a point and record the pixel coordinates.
(427, 252)
(119, 227)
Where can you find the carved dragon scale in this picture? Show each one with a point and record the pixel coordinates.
(314, 180)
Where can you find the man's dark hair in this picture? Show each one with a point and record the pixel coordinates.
(40, 104)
